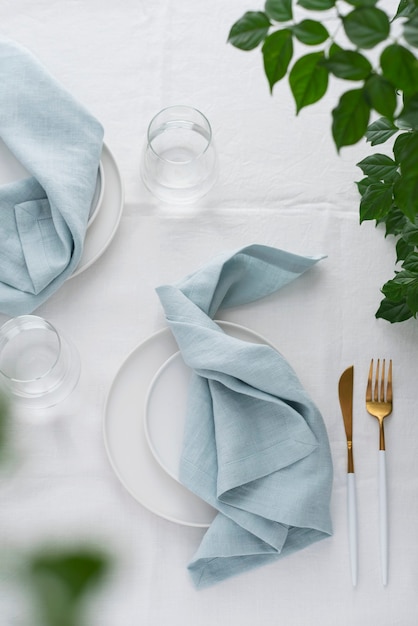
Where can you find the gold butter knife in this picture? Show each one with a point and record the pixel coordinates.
(345, 392)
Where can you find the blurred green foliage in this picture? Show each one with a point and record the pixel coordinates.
(59, 580)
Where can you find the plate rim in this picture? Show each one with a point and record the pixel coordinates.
(148, 437)
(81, 267)
(97, 196)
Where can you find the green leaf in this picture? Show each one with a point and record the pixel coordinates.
(376, 202)
(380, 131)
(362, 3)
(403, 249)
(405, 192)
(310, 32)
(249, 31)
(409, 114)
(400, 145)
(410, 233)
(405, 8)
(379, 167)
(395, 222)
(410, 30)
(366, 26)
(411, 263)
(409, 154)
(412, 298)
(348, 64)
(60, 582)
(350, 118)
(279, 10)
(317, 5)
(394, 311)
(277, 53)
(396, 289)
(363, 184)
(308, 80)
(408, 185)
(333, 49)
(400, 67)
(77, 570)
(381, 95)
(403, 288)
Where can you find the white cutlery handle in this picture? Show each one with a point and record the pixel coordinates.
(352, 524)
(383, 516)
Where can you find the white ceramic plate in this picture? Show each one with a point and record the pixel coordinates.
(106, 207)
(96, 203)
(165, 409)
(106, 222)
(125, 439)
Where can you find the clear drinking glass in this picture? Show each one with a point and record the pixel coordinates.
(179, 161)
(39, 367)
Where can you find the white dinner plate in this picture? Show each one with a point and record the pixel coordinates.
(165, 410)
(131, 458)
(96, 203)
(107, 202)
(106, 222)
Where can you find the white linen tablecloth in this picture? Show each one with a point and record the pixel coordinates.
(281, 184)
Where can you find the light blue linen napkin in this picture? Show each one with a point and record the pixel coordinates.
(255, 445)
(43, 218)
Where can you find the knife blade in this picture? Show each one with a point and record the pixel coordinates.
(345, 393)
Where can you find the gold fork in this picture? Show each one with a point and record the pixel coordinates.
(379, 404)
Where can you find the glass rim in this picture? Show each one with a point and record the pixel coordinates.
(11, 328)
(189, 108)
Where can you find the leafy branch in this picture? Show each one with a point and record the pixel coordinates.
(389, 190)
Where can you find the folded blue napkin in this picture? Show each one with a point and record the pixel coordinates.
(43, 217)
(255, 445)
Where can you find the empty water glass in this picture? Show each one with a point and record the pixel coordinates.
(179, 162)
(39, 367)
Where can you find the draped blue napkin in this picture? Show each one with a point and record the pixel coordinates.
(43, 218)
(255, 445)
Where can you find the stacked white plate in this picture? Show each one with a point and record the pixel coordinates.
(144, 422)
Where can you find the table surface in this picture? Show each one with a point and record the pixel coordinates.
(283, 184)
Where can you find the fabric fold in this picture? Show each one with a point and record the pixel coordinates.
(255, 445)
(44, 216)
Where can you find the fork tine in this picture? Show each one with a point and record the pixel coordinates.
(382, 382)
(376, 382)
(389, 385)
(369, 383)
